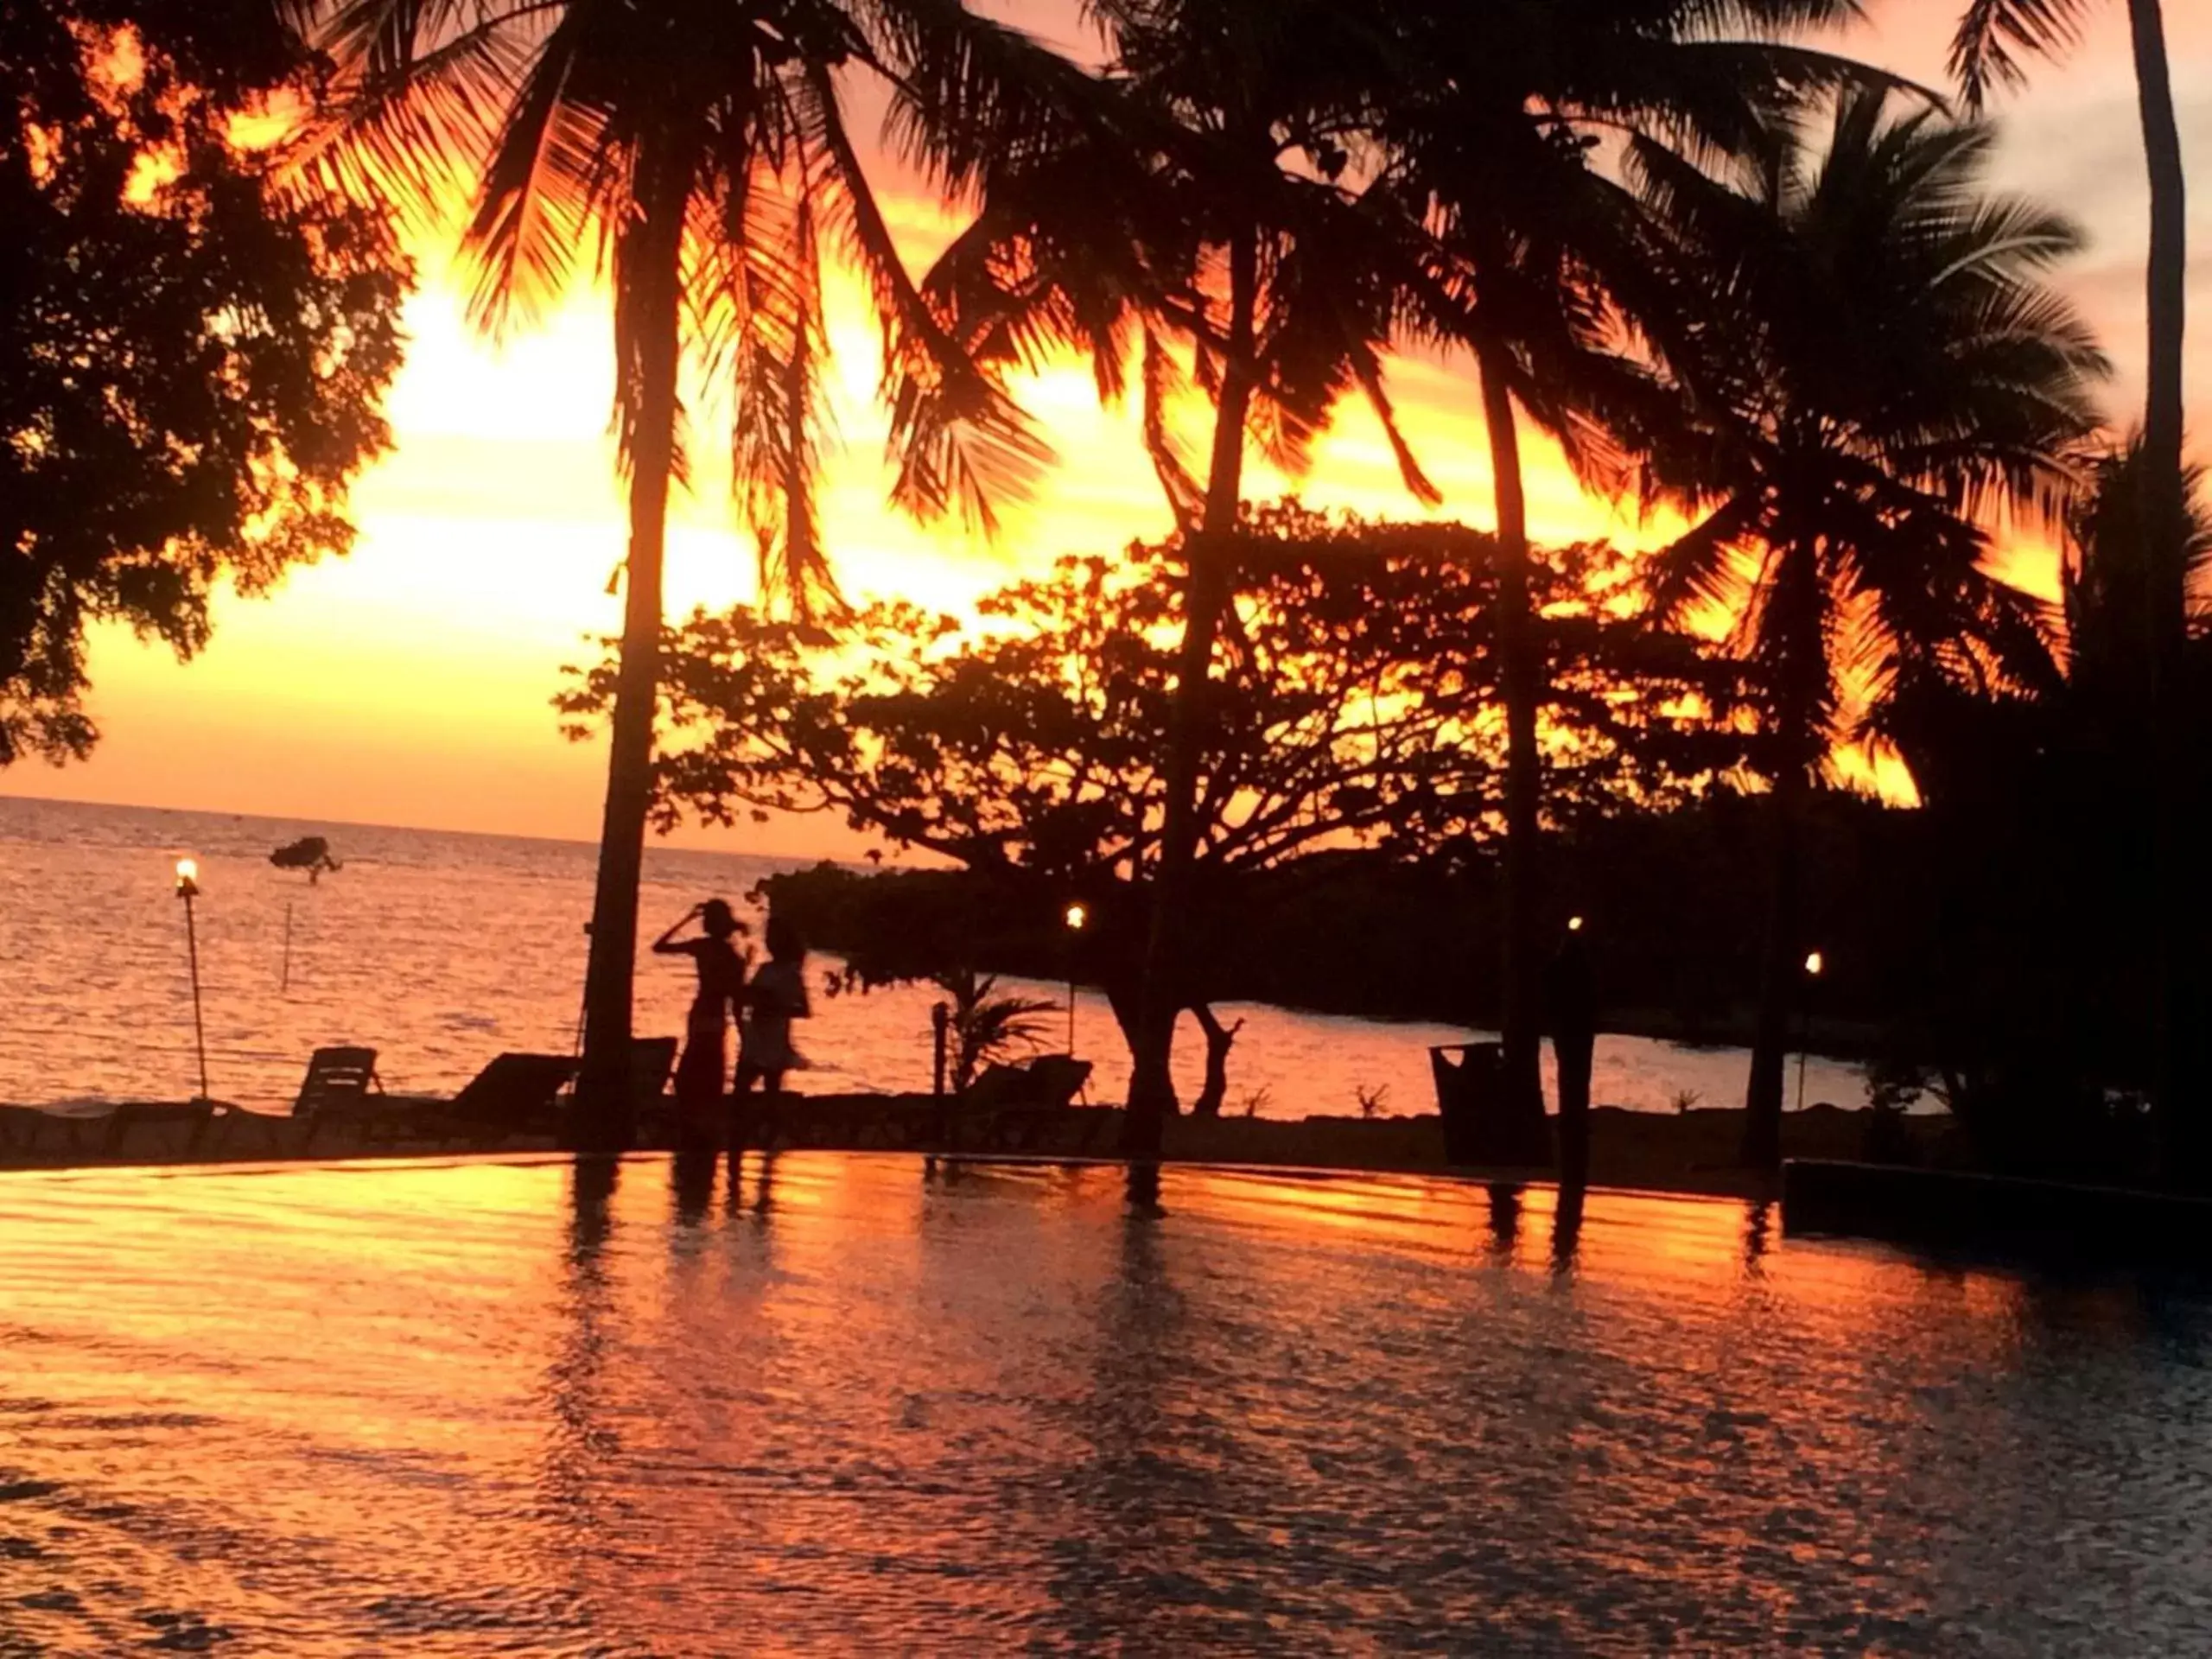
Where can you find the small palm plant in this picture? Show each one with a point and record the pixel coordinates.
(988, 1028)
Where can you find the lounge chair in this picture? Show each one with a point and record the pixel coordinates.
(1480, 1124)
(337, 1078)
(515, 1094)
(342, 1096)
(1017, 1108)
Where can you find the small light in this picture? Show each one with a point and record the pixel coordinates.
(1077, 916)
(1574, 923)
(187, 876)
(1814, 964)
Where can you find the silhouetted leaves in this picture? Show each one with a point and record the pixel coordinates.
(1355, 704)
(191, 360)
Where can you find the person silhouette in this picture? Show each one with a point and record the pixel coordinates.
(1570, 1011)
(775, 998)
(722, 968)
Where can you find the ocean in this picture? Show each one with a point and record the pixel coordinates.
(441, 949)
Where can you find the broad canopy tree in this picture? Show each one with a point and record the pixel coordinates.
(1353, 703)
(192, 358)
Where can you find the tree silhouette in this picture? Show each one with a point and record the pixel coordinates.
(1502, 139)
(1353, 704)
(1985, 54)
(191, 360)
(699, 151)
(1875, 366)
(1218, 237)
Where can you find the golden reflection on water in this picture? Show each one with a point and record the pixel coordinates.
(848, 1402)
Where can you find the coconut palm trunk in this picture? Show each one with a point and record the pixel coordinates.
(1800, 662)
(1777, 980)
(2168, 273)
(1519, 677)
(2177, 972)
(1211, 582)
(1982, 55)
(649, 350)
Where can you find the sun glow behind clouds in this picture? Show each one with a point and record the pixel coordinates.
(410, 683)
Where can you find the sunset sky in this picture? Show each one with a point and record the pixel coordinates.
(408, 683)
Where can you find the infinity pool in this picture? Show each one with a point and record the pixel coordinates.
(851, 1403)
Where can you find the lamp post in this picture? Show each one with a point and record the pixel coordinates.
(187, 888)
(1075, 916)
(1814, 964)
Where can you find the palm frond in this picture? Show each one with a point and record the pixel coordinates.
(1993, 35)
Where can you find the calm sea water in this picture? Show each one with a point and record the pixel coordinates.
(846, 1404)
(441, 951)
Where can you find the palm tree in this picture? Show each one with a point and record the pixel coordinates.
(1877, 366)
(1502, 138)
(698, 151)
(1217, 236)
(1986, 53)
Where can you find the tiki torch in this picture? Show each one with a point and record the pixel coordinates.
(1075, 916)
(187, 888)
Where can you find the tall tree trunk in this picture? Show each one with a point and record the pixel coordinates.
(2167, 283)
(2177, 975)
(1800, 595)
(1519, 674)
(1211, 553)
(654, 270)
(1778, 983)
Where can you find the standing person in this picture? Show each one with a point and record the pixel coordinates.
(775, 998)
(721, 990)
(1570, 999)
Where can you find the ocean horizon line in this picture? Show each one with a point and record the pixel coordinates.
(318, 822)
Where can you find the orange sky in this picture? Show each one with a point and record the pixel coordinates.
(408, 683)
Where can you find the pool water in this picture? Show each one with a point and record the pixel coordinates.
(856, 1403)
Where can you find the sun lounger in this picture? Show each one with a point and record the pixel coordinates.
(515, 1094)
(1015, 1108)
(341, 1098)
(336, 1078)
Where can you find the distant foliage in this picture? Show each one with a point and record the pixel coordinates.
(191, 360)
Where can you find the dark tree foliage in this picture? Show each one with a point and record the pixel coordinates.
(1355, 704)
(1878, 366)
(191, 360)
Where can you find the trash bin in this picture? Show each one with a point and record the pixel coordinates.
(1480, 1125)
